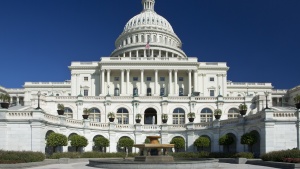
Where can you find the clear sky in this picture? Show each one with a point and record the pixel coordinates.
(259, 39)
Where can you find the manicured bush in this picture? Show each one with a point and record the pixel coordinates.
(190, 155)
(64, 155)
(125, 142)
(202, 142)
(204, 154)
(221, 155)
(249, 139)
(247, 155)
(106, 155)
(55, 139)
(179, 143)
(226, 140)
(78, 141)
(280, 155)
(11, 157)
(101, 142)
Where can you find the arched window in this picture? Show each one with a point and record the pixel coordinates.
(206, 115)
(154, 38)
(149, 91)
(68, 112)
(233, 113)
(122, 116)
(178, 116)
(135, 91)
(142, 38)
(136, 39)
(180, 91)
(95, 115)
(117, 92)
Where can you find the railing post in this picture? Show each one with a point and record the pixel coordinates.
(62, 120)
(112, 136)
(190, 137)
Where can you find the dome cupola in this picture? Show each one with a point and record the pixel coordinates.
(148, 4)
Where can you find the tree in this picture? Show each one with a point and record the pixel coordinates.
(78, 141)
(101, 142)
(226, 140)
(178, 142)
(249, 139)
(55, 139)
(125, 142)
(202, 142)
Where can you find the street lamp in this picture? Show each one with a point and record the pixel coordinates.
(267, 94)
(38, 94)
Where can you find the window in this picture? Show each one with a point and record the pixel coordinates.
(149, 79)
(86, 79)
(233, 113)
(206, 115)
(86, 92)
(68, 112)
(180, 91)
(135, 78)
(211, 93)
(117, 92)
(211, 79)
(162, 79)
(122, 116)
(149, 91)
(116, 78)
(178, 116)
(135, 91)
(69, 94)
(95, 115)
(180, 79)
(162, 91)
(57, 94)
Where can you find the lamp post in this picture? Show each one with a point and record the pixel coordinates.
(39, 95)
(267, 94)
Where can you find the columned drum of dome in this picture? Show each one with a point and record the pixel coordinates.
(148, 28)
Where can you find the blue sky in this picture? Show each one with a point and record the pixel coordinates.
(259, 39)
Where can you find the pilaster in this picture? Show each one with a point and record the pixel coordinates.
(190, 137)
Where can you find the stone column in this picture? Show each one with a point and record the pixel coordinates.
(102, 82)
(170, 83)
(108, 79)
(190, 137)
(127, 83)
(73, 84)
(77, 85)
(130, 54)
(122, 82)
(195, 80)
(268, 133)
(112, 136)
(190, 82)
(137, 53)
(175, 83)
(156, 90)
(145, 53)
(142, 82)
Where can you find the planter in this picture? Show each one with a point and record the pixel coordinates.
(137, 120)
(5, 105)
(191, 119)
(297, 105)
(60, 112)
(164, 120)
(243, 112)
(217, 117)
(85, 116)
(111, 119)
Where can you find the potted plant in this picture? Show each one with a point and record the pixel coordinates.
(60, 109)
(5, 98)
(297, 101)
(243, 109)
(191, 116)
(138, 118)
(111, 116)
(86, 113)
(218, 113)
(164, 118)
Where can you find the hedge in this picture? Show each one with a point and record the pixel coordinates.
(12, 157)
(280, 155)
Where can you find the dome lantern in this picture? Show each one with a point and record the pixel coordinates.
(148, 4)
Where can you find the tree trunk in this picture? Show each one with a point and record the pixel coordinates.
(77, 149)
(53, 149)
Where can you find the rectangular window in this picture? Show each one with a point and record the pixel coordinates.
(211, 79)
(212, 93)
(86, 92)
(135, 79)
(180, 79)
(116, 78)
(86, 79)
(149, 79)
(162, 79)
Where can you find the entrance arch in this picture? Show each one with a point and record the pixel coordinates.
(149, 114)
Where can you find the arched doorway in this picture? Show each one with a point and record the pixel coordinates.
(255, 147)
(150, 116)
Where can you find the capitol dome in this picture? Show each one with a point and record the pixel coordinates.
(148, 35)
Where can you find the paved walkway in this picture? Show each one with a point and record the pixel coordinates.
(83, 165)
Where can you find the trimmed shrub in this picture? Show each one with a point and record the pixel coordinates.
(179, 143)
(247, 155)
(12, 157)
(190, 155)
(101, 142)
(125, 142)
(78, 141)
(64, 155)
(249, 139)
(280, 155)
(221, 155)
(55, 139)
(202, 142)
(106, 155)
(226, 140)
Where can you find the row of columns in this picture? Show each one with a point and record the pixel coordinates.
(149, 52)
(142, 90)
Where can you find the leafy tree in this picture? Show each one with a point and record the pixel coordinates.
(249, 139)
(179, 143)
(147, 141)
(78, 141)
(202, 142)
(55, 139)
(125, 142)
(226, 140)
(101, 142)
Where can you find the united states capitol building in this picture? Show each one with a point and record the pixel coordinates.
(148, 73)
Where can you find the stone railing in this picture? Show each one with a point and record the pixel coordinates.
(177, 127)
(99, 125)
(256, 116)
(93, 97)
(203, 125)
(52, 118)
(205, 98)
(150, 97)
(233, 98)
(179, 98)
(73, 122)
(19, 115)
(66, 97)
(190, 59)
(277, 115)
(229, 122)
(125, 126)
(151, 127)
